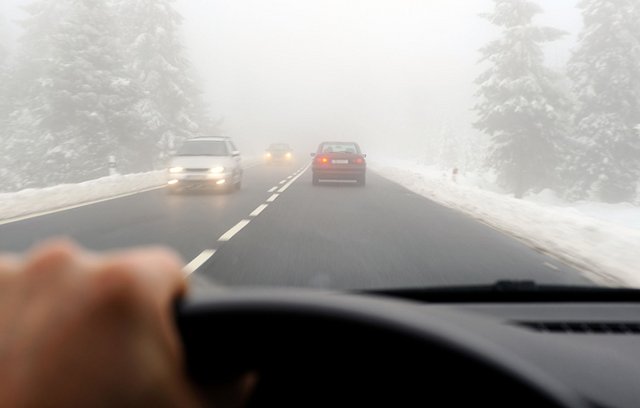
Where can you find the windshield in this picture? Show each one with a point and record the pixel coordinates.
(203, 148)
(279, 146)
(476, 140)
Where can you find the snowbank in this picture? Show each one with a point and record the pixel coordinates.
(34, 201)
(583, 234)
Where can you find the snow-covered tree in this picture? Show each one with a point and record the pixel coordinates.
(605, 70)
(519, 106)
(7, 174)
(172, 108)
(76, 99)
(4, 70)
(4, 49)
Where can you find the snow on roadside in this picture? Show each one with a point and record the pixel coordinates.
(607, 252)
(29, 202)
(33, 201)
(625, 214)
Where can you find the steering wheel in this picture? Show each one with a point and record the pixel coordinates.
(315, 348)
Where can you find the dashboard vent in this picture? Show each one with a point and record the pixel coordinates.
(583, 327)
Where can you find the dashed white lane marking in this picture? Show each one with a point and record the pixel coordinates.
(234, 230)
(551, 266)
(258, 210)
(272, 189)
(197, 262)
(205, 255)
(286, 186)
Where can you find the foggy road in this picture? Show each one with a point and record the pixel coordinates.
(279, 230)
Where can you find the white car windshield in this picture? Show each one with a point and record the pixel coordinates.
(203, 148)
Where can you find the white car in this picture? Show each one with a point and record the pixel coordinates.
(205, 162)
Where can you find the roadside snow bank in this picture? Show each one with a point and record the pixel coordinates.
(607, 252)
(34, 201)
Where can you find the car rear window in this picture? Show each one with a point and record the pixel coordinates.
(339, 148)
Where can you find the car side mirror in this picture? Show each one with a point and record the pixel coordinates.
(313, 155)
(364, 155)
(235, 153)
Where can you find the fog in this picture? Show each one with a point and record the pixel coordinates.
(456, 83)
(386, 73)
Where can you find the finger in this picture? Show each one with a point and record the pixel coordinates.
(50, 261)
(9, 264)
(157, 271)
(157, 280)
(9, 267)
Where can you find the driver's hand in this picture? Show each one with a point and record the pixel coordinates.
(79, 329)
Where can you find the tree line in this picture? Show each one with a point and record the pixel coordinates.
(576, 131)
(90, 80)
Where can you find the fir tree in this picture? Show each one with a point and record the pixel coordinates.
(77, 98)
(605, 70)
(172, 108)
(520, 107)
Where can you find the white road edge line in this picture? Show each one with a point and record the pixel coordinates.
(258, 210)
(272, 198)
(272, 189)
(551, 266)
(282, 182)
(234, 230)
(197, 262)
(71, 207)
(286, 186)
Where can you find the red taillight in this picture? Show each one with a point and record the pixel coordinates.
(359, 160)
(323, 160)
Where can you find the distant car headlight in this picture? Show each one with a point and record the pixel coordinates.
(267, 155)
(216, 170)
(288, 155)
(176, 169)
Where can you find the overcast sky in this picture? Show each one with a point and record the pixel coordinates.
(387, 73)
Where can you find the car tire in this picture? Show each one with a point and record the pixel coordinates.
(362, 180)
(315, 180)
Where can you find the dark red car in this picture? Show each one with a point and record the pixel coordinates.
(339, 161)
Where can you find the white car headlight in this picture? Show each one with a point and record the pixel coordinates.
(176, 169)
(216, 170)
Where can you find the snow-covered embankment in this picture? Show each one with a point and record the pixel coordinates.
(34, 201)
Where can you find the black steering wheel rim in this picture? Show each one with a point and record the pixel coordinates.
(398, 317)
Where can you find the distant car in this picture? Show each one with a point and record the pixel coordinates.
(206, 162)
(339, 161)
(279, 153)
